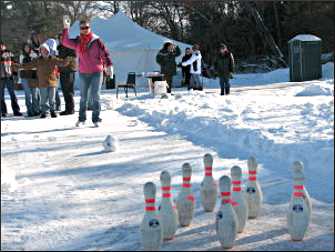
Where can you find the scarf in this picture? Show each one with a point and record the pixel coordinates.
(84, 40)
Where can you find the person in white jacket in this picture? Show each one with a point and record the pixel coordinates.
(195, 63)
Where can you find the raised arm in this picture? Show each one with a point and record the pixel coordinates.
(66, 41)
(177, 52)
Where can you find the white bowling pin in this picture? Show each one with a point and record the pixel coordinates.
(110, 143)
(239, 201)
(208, 187)
(298, 216)
(167, 211)
(226, 218)
(299, 166)
(253, 193)
(185, 200)
(151, 228)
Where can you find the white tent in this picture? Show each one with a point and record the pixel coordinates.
(132, 48)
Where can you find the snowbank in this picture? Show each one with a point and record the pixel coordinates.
(328, 71)
(276, 76)
(315, 90)
(274, 125)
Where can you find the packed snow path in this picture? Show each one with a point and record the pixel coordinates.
(72, 196)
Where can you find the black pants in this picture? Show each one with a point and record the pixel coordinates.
(168, 78)
(9, 83)
(67, 84)
(57, 99)
(187, 79)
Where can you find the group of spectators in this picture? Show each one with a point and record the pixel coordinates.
(193, 67)
(44, 63)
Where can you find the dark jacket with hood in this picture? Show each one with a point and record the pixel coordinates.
(70, 55)
(186, 69)
(167, 60)
(224, 64)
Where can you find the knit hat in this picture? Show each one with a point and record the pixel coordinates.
(44, 45)
(196, 47)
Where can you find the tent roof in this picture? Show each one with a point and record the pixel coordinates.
(305, 37)
(120, 33)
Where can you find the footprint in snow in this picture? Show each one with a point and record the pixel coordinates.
(52, 139)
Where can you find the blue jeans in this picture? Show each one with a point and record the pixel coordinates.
(195, 82)
(225, 85)
(93, 82)
(48, 99)
(9, 83)
(31, 97)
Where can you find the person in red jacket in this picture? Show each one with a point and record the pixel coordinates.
(93, 59)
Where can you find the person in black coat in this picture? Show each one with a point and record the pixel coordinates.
(186, 69)
(224, 67)
(67, 77)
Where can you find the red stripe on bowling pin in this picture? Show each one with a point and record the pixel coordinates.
(190, 198)
(225, 194)
(150, 208)
(150, 200)
(236, 188)
(234, 203)
(186, 182)
(208, 171)
(298, 194)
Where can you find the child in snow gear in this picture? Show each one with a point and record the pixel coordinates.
(47, 78)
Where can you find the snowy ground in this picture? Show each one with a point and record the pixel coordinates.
(60, 191)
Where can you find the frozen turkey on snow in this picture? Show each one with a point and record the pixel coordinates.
(111, 143)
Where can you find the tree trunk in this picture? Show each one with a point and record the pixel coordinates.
(264, 32)
(275, 10)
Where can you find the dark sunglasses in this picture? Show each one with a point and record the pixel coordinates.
(84, 27)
